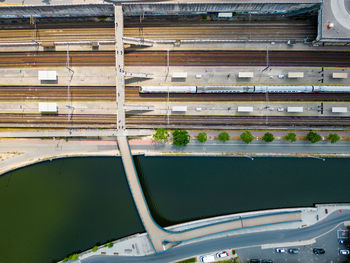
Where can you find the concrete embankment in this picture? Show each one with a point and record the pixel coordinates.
(139, 244)
(17, 153)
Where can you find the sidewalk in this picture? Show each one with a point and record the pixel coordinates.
(16, 153)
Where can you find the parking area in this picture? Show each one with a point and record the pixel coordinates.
(329, 242)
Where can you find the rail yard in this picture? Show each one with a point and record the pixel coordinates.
(175, 77)
(240, 58)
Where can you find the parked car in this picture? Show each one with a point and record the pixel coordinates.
(254, 260)
(266, 261)
(344, 252)
(343, 241)
(318, 251)
(280, 250)
(293, 251)
(207, 258)
(222, 254)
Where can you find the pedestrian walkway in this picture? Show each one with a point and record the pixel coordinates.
(119, 67)
(163, 239)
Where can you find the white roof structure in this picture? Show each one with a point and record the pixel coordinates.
(47, 75)
(179, 75)
(179, 108)
(245, 109)
(294, 75)
(339, 109)
(225, 14)
(245, 74)
(340, 75)
(47, 107)
(295, 109)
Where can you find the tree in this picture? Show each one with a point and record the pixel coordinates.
(161, 135)
(333, 137)
(313, 137)
(181, 137)
(223, 136)
(94, 249)
(202, 137)
(268, 137)
(247, 137)
(292, 137)
(110, 244)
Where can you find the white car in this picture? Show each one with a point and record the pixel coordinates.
(281, 250)
(222, 254)
(344, 252)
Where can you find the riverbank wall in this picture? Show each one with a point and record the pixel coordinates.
(18, 153)
(139, 244)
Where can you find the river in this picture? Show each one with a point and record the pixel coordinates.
(52, 209)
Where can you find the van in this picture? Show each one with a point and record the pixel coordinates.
(207, 258)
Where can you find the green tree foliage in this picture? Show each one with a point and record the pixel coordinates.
(161, 135)
(73, 257)
(94, 249)
(292, 137)
(313, 137)
(268, 137)
(247, 137)
(333, 137)
(223, 136)
(110, 244)
(189, 260)
(202, 137)
(181, 137)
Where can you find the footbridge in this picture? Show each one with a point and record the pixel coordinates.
(161, 238)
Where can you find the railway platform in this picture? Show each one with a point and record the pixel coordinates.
(196, 75)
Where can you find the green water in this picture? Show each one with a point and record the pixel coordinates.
(55, 208)
(181, 189)
(52, 209)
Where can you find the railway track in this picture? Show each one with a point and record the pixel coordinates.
(134, 121)
(132, 95)
(238, 58)
(178, 58)
(204, 120)
(252, 31)
(82, 120)
(57, 93)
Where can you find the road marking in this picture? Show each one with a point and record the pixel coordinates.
(289, 244)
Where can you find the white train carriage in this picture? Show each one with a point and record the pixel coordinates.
(284, 89)
(166, 89)
(331, 88)
(224, 89)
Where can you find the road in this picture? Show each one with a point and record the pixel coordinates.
(325, 228)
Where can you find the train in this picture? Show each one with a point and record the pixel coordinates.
(243, 89)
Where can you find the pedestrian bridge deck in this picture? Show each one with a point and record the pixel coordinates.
(163, 239)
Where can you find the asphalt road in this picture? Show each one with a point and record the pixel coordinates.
(324, 232)
(329, 242)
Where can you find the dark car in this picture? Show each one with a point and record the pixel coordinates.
(293, 251)
(254, 260)
(343, 241)
(266, 261)
(318, 251)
